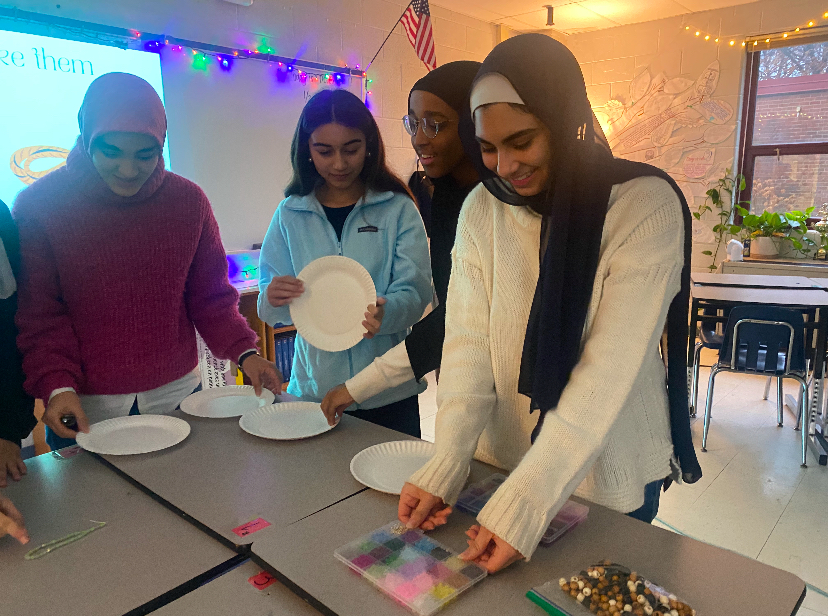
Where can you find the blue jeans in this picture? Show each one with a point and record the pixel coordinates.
(58, 442)
(648, 511)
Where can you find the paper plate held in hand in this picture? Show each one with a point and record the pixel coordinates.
(134, 434)
(230, 401)
(287, 421)
(387, 466)
(329, 314)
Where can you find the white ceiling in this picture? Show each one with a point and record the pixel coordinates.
(573, 16)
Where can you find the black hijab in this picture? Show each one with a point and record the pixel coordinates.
(452, 83)
(548, 79)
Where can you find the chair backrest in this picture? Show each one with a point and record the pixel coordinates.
(708, 330)
(764, 339)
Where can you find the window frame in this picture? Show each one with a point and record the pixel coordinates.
(748, 152)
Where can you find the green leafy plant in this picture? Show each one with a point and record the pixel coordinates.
(720, 201)
(766, 224)
(798, 222)
(788, 227)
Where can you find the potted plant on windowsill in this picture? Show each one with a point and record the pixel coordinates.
(772, 233)
(762, 229)
(798, 243)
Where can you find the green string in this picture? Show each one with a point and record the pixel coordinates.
(59, 543)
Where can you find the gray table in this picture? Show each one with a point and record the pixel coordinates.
(752, 280)
(231, 593)
(144, 550)
(223, 477)
(712, 580)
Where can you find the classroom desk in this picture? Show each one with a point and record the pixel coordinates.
(755, 281)
(144, 550)
(223, 477)
(231, 593)
(712, 580)
(805, 299)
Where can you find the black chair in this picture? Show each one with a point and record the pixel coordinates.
(766, 340)
(708, 339)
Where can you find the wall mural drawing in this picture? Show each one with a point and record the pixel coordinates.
(675, 124)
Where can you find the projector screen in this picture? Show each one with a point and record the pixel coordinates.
(43, 82)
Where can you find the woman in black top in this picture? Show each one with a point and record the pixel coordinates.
(16, 406)
(438, 117)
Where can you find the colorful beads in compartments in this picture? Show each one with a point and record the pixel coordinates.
(475, 497)
(417, 571)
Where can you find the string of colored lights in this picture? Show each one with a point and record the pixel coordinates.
(203, 53)
(753, 41)
(226, 59)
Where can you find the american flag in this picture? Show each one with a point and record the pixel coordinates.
(417, 23)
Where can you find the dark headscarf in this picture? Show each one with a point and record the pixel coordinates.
(451, 83)
(548, 79)
(117, 102)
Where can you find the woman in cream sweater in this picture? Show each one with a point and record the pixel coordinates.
(566, 268)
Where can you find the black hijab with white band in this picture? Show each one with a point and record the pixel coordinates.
(542, 75)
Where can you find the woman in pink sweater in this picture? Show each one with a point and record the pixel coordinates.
(121, 263)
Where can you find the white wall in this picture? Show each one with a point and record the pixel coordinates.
(330, 31)
(612, 58)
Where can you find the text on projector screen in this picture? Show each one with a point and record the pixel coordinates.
(42, 59)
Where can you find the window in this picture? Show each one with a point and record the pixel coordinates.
(785, 128)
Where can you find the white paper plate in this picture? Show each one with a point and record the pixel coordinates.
(287, 421)
(134, 434)
(230, 401)
(329, 314)
(387, 466)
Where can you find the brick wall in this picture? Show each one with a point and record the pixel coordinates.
(796, 117)
(790, 183)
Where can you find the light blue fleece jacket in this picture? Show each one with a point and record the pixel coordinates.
(396, 255)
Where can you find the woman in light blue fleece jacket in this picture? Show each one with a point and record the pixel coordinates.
(343, 200)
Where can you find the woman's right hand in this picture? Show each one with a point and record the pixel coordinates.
(335, 403)
(11, 521)
(283, 290)
(420, 509)
(61, 405)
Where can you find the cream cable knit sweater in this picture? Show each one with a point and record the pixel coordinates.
(610, 434)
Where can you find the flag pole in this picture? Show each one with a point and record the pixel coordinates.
(389, 35)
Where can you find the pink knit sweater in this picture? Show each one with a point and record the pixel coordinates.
(111, 287)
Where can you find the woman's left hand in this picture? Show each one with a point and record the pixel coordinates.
(489, 550)
(373, 318)
(262, 374)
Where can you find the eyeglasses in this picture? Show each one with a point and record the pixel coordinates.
(430, 127)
